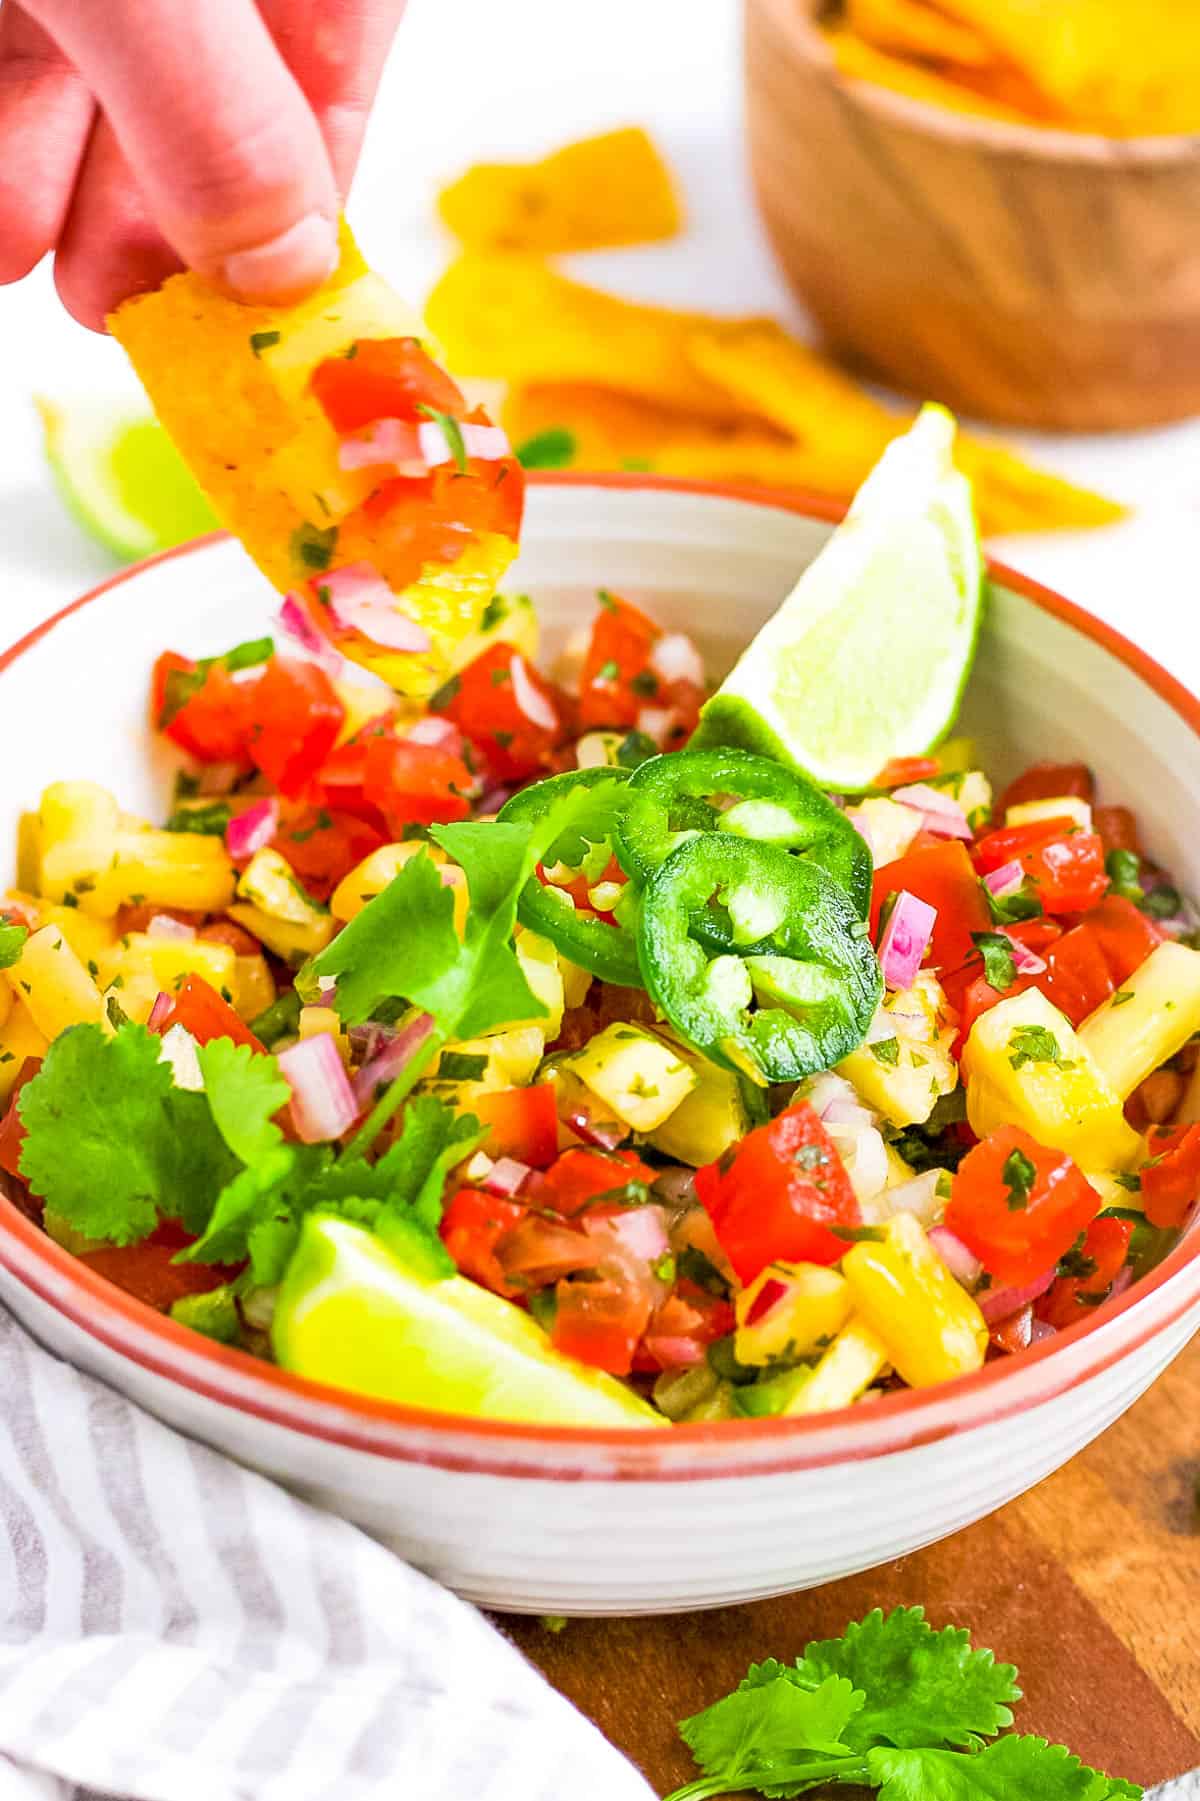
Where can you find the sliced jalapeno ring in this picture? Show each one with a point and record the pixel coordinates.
(795, 1001)
(673, 797)
(607, 950)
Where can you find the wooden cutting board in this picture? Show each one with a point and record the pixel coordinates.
(1090, 1585)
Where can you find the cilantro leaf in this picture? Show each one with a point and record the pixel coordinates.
(1036, 1044)
(1010, 1767)
(1019, 1174)
(922, 1687)
(12, 943)
(244, 1090)
(887, 1051)
(999, 963)
(1010, 909)
(111, 1143)
(761, 1736)
(553, 448)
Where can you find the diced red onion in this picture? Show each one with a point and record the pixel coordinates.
(506, 1177)
(918, 1197)
(674, 1353)
(639, 1231)
(323, 1104)
(160, 1012)
(655, 722)
(439, 734)
(676, 1186)
(217, 778)
(675, 659)
(391, 443)
(391, 1058)
(326, 994)
(864, 1156)
(361, 601)
(530, 700)
(1121, 1282)
(487, 442)
(864, 831)
(939, 822)
(962, 1263)
(1041, 1331)
(906, 939)
(1005, 880)
(294, 620)
(494, 799)
(847, 1113)
(1025, 961)
(252, 830)
(605, 1134)
(997, 1303)
(768, 1296)
(928, 800)
(825, 1089)
(163, 926)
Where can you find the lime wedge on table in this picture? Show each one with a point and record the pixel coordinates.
(867, 657)
(351, 1313)
(122, 477)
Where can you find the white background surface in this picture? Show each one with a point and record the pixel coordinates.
(477, 78)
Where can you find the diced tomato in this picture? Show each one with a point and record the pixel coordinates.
(1065, 865)
(980, 997)
(505, 708)
(600, 1321)
(323, 844)
(1118, 829)
(680, 1329)
(136, 918)
(433, 518)
(1077, 977)
(206, 1015)
(1037, 935)
(296, 719)
(942, 876)
(1014, 1333)
(901, 771)
(146, 1270)
(383, 378)
(213, 723)
(227, 931)
(472, 1225)
(1047, 781)
(1019, 1206)
(579, 1176)
(777, 1195)
(12, 1132)
(617, 681)
(1124, 935)
(540, 1249)
(415, 784)
(1171, 1177)
(521, 1123)
(1105, 1248)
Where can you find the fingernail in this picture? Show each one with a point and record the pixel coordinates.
(294, 263)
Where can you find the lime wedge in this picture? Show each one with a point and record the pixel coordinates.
(123, 479)
(352, 1314)
(867, 657)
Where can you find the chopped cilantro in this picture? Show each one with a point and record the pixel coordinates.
(460, 1066)
(452, 432)
(1121, 996)
(635, 749)
(311, 548)
(1162, 903)
(1035, 1044)
(1074, 1264)
(262, 340)
(607, 600)
(553, 448)
(886, 1051)
(645, 683)
(12, 943)
(1010, 909)
(1124, 869)
(209, 821)
(1019, 1174)
(999, 963)
(442, 697)
(693, 1266)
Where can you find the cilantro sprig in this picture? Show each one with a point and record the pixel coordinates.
(891, 1705)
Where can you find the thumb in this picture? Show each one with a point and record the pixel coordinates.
(220, 138)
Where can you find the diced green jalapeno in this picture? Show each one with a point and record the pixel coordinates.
(803, 990)
(674, 797)
(608, 950)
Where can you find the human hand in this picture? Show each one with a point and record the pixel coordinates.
(137, 136)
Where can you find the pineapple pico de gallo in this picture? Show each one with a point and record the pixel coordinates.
(655, 1065)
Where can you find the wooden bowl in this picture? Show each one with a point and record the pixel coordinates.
(1040, 277)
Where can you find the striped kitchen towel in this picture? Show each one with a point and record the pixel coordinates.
(175, 1628)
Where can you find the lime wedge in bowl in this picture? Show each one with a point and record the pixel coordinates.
(868, 656)
(123, 479)
(352, 1314)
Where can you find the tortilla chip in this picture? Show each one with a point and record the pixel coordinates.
(617, 431)
(602, 191)
(231, 385)
(845, 431)
(914, 29)
(512, 318)
(860, 61)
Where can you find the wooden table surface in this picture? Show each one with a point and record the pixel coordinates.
(1090, 1584)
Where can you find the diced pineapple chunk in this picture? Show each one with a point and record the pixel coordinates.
(253, 987)
(95, 857)
(19, 1039)
(294, 943)
(899, 1172)
(906, 1064)
(269, 883)
(87, 936)
(1157, 1014)
(506, 619)
(317, 1020)
(576, 982)
(169, 960)
(54, 984)
(706, 1121)
(507, 1059)
(641, 1078)
(29, 853)
(1061, 806)
(1026, 1066)
(888, 827)
(540, 967)
(931, 1327)
(850, 1365)
(791, 1310)
(598, 750)
(373, 874)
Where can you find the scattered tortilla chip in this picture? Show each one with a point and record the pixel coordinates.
(600, 192)
(231, 385)
(617, 431)
(511, 318)
(777, 378)
(860, 61)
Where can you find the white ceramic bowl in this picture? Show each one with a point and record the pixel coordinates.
(563, 1520)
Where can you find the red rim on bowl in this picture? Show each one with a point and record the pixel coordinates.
(898, 1421)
